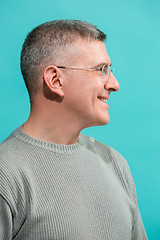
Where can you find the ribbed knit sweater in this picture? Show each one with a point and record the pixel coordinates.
(82, 191)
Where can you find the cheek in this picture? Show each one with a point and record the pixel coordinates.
(82, 88)
(93, 76)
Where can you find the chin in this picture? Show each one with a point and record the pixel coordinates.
(101, 121)
(104, 119)
(104, 122)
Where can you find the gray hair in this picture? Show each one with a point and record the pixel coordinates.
(45, 42)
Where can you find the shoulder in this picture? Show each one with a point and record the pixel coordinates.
(16, 182)
(15, 175)
(12, 157)
(95, 146)
(104, 150)
(100, 147)
(117, 163)
(9, 146)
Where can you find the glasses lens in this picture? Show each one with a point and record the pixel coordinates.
(105, 71)
(111, 69)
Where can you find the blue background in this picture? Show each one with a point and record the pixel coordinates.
(134, 47)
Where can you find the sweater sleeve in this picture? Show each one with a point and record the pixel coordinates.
(138, 231)
(123, 172)
(11, 203)
(15, 198)
(5, 220)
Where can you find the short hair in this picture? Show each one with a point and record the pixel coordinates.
(45, 42)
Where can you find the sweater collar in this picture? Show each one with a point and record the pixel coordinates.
(58, 148)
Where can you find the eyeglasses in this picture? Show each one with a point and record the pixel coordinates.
(105, 69)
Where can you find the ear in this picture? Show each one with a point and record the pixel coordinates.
(52, 78)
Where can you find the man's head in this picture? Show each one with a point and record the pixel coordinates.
(61, 63)
(51, 42)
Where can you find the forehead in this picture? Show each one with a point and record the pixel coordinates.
(90, 53)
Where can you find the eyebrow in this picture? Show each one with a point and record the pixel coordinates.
(103, 63)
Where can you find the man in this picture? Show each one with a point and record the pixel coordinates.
(55, 182)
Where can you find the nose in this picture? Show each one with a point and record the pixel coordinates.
(112, 84)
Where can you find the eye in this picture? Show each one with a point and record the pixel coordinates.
(105, 69)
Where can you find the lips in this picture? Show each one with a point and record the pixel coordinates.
(102, 99)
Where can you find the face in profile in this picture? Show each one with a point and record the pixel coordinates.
(86, 92)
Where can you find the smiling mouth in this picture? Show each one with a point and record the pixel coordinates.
(104, 100)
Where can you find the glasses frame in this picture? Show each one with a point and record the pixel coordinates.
(110, 68)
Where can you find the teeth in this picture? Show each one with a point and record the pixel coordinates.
(102, 99)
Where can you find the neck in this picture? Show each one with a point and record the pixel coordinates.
(55, 129)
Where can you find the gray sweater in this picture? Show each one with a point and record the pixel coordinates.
(82, 191)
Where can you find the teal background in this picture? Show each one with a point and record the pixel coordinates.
(133, 29)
